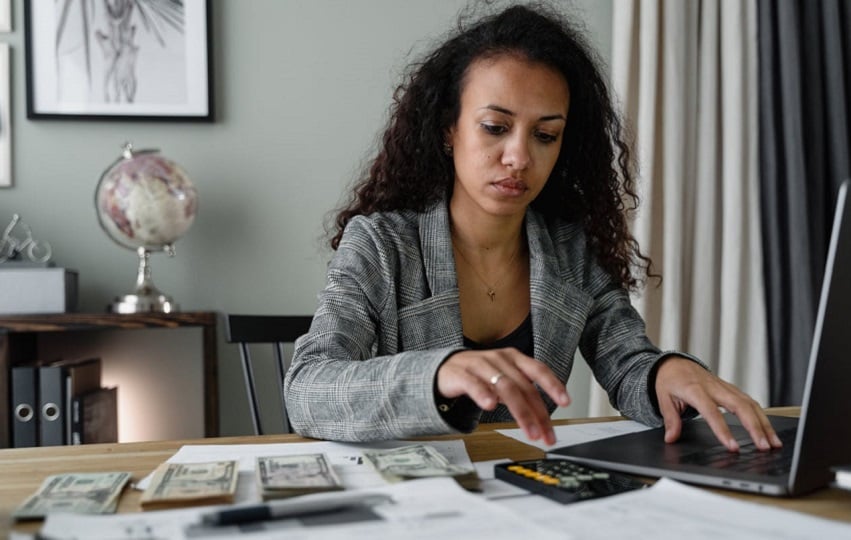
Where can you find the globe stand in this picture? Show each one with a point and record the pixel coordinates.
(147, 297)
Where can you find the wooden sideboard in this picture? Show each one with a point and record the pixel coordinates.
(19, 335)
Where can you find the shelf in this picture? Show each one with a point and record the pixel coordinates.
(64, 322)
(19, 335)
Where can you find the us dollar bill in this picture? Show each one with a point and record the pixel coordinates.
(416, 461)
(78, 493)
(288, 476)
(186, 484)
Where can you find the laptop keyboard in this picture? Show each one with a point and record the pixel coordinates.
(775, 462)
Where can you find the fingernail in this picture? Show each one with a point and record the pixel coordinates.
(733, 445)
(534, 433)
(763, 443)
(776, 440)
(565, 399)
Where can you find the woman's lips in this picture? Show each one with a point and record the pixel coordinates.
(511, 187)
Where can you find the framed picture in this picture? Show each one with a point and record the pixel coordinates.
(128, 60)
(5, 16)
(5, 119)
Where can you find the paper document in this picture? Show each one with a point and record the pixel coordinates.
(354, 471)
(420, 509)
(579, 433)
(493, 488)
(670, 510)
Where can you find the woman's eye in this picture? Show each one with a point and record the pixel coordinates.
(494, 129)
(546, 137)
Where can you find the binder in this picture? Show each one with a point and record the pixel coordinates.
(24, 406)
(58, 384)
(94, 417)
(80, 377)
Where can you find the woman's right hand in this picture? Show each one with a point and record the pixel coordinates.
(494, 376)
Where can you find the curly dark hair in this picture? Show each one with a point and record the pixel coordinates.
(592, 181)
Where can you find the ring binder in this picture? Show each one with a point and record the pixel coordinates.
(58, 384)
(24, 404)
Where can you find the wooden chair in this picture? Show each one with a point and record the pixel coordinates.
(275, 330)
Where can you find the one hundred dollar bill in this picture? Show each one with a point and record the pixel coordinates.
(187, 484)
(78, 493)
(287, 476)
(416, 461)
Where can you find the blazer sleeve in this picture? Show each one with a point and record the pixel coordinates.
(338, 386)
(621, 356)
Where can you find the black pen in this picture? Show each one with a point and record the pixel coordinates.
(291, 508)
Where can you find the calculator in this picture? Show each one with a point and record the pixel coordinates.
(565, 481)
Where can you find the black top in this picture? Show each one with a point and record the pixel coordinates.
(521, 339)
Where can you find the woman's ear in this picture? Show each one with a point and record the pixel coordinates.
(448, 141)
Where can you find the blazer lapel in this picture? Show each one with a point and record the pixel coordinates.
(559, 308)
(436, 247)
(435, 321)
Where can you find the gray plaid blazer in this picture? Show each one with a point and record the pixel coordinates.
(389, 316)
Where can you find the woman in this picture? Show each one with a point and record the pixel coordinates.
(487, 242)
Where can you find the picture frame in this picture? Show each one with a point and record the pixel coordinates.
(5, 16)
(141, 60)
(5, 118)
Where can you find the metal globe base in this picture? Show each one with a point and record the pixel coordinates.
(147, 298)
(134, 303)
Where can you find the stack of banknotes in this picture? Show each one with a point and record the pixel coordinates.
(188, 484)
(79, 493)
(419, 461)
(279, 477)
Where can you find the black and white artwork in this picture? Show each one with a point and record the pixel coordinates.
(5, 16)
(119, 59)
(5, 119)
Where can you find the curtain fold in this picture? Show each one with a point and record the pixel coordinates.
(685, 74)
(804, 57)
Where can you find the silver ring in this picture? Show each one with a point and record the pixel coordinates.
(495, 379)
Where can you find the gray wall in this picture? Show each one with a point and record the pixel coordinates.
(301, 90)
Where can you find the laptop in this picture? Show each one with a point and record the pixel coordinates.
(812, 444)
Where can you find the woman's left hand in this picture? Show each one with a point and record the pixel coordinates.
(681, 382)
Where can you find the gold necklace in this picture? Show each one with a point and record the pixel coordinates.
(491, 289)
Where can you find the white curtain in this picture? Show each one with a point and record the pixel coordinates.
(685, 75)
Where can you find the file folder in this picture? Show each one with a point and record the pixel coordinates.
(24, 406)
(94, 417)
(58, 384)
(51, 406)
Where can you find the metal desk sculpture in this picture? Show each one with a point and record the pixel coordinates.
(20, 245)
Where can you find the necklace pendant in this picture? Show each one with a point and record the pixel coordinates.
(492, 294)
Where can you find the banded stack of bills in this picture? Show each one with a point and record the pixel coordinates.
(188, 484)
(78, 493)
(419, 461)
(287, 476)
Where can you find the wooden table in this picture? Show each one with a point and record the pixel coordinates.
(22, 470)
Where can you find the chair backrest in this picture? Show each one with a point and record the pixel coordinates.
(275, 330)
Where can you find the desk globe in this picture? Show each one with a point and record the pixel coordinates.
(145, 202)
